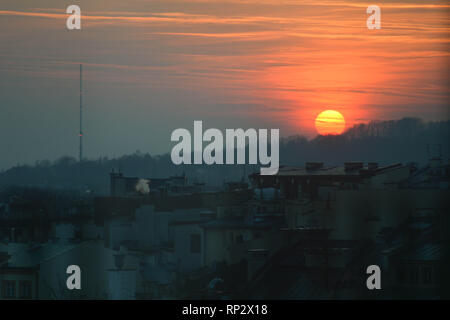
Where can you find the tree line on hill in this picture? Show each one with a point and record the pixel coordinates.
(406, 140)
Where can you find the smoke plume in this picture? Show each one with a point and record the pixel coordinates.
(142, 186)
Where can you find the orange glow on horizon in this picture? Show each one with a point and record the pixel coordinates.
(270, 65)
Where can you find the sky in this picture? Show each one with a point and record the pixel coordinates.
(151, 67)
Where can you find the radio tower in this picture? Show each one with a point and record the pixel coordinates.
(81, 113)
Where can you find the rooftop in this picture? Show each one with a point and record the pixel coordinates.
(349, 169)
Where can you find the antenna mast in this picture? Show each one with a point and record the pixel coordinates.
(81, 113)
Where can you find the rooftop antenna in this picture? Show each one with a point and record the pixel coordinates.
(81, 113)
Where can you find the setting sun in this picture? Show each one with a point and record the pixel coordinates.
(330, 122)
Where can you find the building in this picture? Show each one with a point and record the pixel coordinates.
(38, 271)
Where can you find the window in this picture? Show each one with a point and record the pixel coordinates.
(195, 243)
(239, 239)
(25, 289)
(9, 289)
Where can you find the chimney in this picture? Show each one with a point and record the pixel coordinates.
(113, 184)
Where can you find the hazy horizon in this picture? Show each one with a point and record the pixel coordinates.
(349, 134)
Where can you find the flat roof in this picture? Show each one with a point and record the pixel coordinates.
(331, 171)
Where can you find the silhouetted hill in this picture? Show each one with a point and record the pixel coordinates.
(404, 140)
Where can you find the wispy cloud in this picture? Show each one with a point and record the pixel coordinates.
(277, 61)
